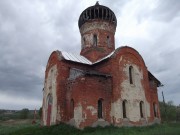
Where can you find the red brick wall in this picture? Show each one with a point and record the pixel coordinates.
(87, 90)
(113, 67)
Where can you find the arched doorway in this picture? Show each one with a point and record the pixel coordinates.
(49, 109)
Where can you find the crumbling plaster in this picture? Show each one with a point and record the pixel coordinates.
(78, 115)
(50, 89)
(134, 93)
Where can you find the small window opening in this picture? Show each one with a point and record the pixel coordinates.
(141, 109)
(131, 75)
(124, 108)
(95, 40)
(108, 41)
(100, 108)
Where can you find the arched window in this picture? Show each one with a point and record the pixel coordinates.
(95, 40)
(155, 109)
(108, 41)
(141, 105)
(72, 108)
(131, 74)
(124, 106)
(100, 108)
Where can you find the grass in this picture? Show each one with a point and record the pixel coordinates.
(63, 129)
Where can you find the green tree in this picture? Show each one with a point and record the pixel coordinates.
(168, 111)
(24, 113)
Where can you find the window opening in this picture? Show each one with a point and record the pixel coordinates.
(100, 108)
(95, 40)
(124, 109)
(131, 75)
(108, 41)
(141, 109)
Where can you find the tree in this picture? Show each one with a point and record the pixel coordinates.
(168, 111)
(24, 113)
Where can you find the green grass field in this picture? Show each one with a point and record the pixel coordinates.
(26, 128)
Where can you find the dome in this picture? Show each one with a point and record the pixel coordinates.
(97, 12)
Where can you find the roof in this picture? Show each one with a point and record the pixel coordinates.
(81, 59)
(99, 12)
(76, 58)
(152, 77)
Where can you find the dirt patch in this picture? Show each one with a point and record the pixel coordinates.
(16, 122)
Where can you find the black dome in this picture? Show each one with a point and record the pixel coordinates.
(97, 12)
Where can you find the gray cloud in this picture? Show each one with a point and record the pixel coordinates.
(31, 30)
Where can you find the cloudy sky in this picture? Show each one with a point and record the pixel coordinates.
(31, 29)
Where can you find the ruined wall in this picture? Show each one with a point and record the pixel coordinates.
(118, 67)
(50, 89)
(86, 91)
(134, 94)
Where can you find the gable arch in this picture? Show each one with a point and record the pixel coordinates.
(129, 51)
(55, 55)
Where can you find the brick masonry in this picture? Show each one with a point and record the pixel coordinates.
(79, 101)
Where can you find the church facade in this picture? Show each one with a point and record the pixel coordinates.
(102, 85)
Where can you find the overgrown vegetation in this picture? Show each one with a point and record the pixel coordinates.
(169, 112)
(170, 115)
(63, 129)
(21, 114)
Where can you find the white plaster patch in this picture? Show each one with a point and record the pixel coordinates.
(92, 109)
(50, 88)
(78, 115)
(116, 112)
(134, 93)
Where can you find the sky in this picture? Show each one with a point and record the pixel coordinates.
(31, 29)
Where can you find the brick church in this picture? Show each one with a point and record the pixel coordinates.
(102, 85)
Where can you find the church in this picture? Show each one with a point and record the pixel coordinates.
(102, 85)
